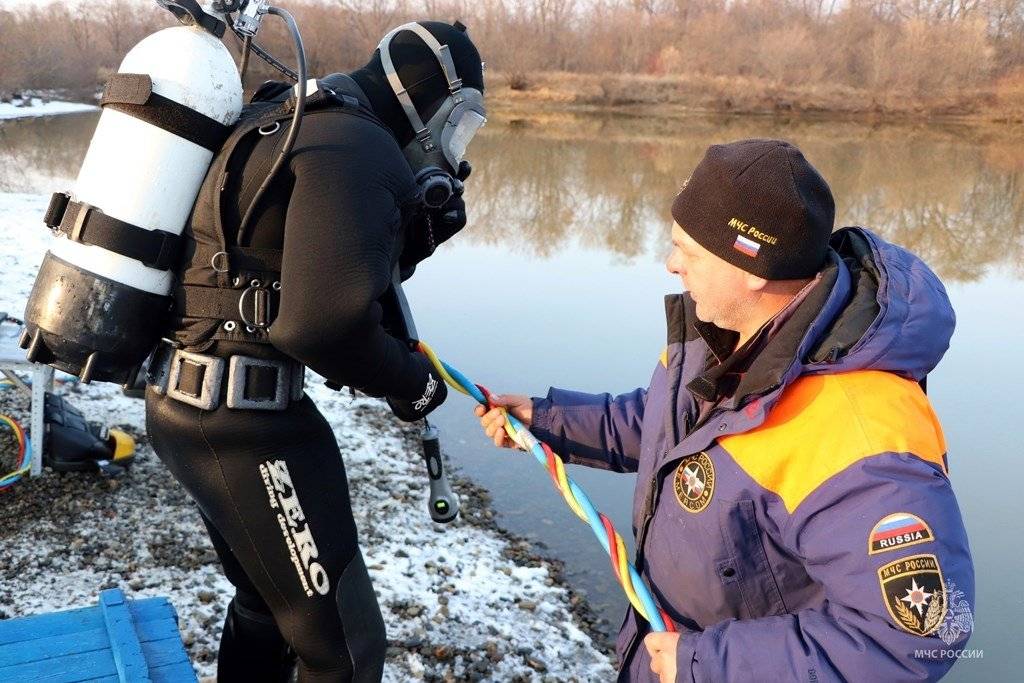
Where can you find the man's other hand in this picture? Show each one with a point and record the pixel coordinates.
(662, 648)
(493, 421)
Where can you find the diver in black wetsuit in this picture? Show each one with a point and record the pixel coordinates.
(309, 283)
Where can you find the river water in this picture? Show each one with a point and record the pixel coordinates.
(559, 279)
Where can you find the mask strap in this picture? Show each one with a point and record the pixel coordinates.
(444, 58)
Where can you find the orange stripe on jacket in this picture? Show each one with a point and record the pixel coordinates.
(822, 424)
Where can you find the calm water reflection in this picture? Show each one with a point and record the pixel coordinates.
(951, 195)
(558, 281)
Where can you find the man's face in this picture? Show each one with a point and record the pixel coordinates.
(721, 291)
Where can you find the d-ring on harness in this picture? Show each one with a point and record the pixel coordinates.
(638, 594)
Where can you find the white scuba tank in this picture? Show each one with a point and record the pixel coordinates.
(92, 311)
(146, 175)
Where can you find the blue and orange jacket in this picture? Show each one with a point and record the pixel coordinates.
(805, 529)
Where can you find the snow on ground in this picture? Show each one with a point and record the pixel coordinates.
(463, 601)
(35, 106)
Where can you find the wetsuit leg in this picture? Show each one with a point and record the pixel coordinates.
(273, 486)
(251, 646)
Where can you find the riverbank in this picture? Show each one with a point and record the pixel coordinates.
(541, 95)
(42, 104)
(672, 96)
(464, 601)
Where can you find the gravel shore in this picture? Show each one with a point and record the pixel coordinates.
(464, 601)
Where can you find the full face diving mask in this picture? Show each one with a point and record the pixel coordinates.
(438, 145)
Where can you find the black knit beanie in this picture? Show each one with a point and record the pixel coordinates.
(761, 206)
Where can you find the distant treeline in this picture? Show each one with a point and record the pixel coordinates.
(881, 51)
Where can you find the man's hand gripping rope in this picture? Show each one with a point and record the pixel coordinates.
(577, 500)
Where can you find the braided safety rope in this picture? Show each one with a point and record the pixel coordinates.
(577, 500)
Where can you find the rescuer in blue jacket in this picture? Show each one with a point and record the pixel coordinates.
(793, 509)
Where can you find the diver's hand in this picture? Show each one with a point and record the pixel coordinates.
(450, 218)
(429, 229)
(434, 394)
(493, 421)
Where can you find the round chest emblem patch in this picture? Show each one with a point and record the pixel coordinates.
(695, 482)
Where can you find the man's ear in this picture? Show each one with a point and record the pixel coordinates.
(755, 283)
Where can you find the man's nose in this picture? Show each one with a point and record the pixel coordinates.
(674, 265)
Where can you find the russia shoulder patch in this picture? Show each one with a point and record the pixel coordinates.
(914, 593)
(898, 530)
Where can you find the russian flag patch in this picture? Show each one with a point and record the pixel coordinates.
(746, 246)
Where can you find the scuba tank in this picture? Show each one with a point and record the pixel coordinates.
(101, 296)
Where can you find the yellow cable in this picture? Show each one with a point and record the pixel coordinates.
(627, 581)
(439, 366)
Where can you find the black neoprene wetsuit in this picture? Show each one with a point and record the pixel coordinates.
(338, 210)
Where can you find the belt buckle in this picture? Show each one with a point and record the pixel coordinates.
(298, 380)
(237, 380)
(209, 395)
(260, 308)
(159, 372)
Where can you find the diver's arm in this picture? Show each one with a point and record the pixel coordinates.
(340, 231)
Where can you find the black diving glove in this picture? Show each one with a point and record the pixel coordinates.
(434, 394)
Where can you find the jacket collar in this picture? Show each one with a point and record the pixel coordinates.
(779, 362)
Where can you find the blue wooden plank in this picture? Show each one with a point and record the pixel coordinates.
(52, 647)
(121, 640)
(124, 643)
(53, 624)
(157, 630)
(173, 673)
(161, 652)
(72, 669)
(151, 609)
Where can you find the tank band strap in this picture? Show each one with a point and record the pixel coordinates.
(238, 259)
(87, 224)
(133, 94)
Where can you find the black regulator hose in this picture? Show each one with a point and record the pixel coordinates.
(244, 63)
(262, 53)
(293, 129)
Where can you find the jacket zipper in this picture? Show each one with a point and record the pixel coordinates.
(650, 504)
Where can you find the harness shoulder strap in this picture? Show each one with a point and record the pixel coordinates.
(256, 305)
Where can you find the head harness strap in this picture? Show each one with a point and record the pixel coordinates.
(443, 56)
